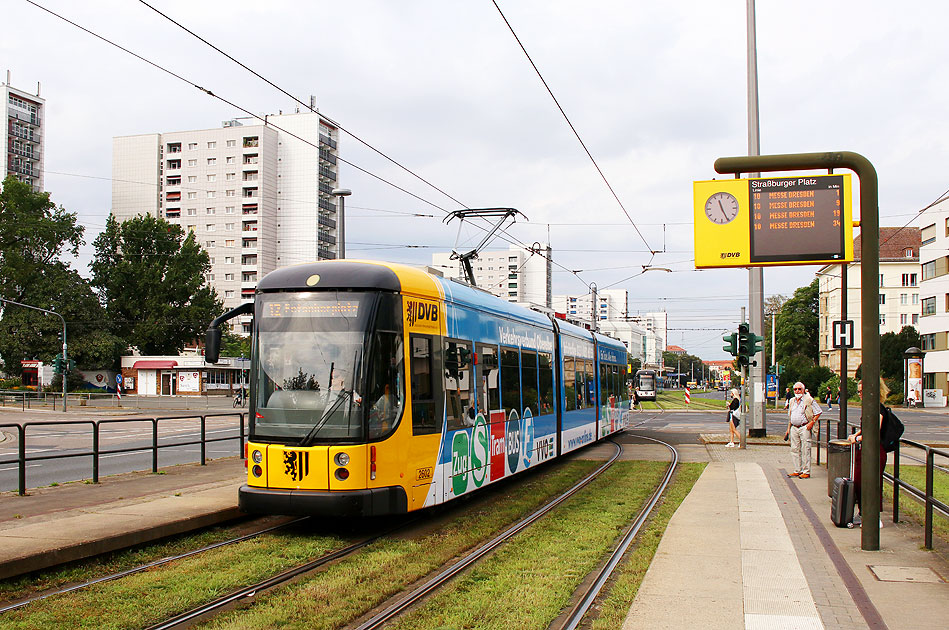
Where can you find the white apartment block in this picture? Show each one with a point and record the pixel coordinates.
(899, 293)
(635, 338)
(656, 325)
(24, 127)
(255, 197)
(516, 275)
(934, 302)
(611, 304)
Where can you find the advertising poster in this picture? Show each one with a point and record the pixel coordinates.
(189, 381)
(914, 381)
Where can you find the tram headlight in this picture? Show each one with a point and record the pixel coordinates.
(257, 456)
(342, 459)
(257, 471)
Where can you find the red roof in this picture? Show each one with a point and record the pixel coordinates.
(153, 365)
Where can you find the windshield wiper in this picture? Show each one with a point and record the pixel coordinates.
(309, 437)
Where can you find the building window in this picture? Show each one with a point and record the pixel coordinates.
(929, 306)
(192, 146)
(909, 252)
(192, 162)
(228, 260)
(192, 195)
(208, 244)
(903, 319)
(228, 294)
(916, 298)
(229, 210)
(229, 159)
(230, 176)
(230, 193)
(210, 211)
(212, 161)
(191, 228)
(909, 279)
(229, 243)
(881, 280)
(209, 227)
(928, 342)
(192, 179)
(882, 319)
(904, 299)
(882, 298)
(210, 194)
(212, 145)
(228, 276)
(929, 270)
(228, 227)
(232, 143)
(915, 319)
(192, 212)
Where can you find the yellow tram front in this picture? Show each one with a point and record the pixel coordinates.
(328, 393)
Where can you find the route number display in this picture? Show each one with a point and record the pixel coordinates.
(773, 221)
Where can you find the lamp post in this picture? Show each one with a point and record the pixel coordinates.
(341, 194)
(65, 358)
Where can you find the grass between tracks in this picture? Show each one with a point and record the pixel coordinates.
(675, 399)
(152, 596)
(911, 508)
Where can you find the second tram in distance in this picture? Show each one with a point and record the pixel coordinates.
(378, 388)
(645, 384)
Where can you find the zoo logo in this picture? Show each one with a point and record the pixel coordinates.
(469, 457)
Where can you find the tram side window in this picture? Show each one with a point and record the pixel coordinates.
(569, 379)
(590, 393)
(510, 380)
(386, 393)
(546, 383)
(604, 384)
(458, 385)
(623, 378)
(580, 385)
(423, 390)
(490, 395)
(529, 380)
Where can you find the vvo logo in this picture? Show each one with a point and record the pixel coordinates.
(421, 312)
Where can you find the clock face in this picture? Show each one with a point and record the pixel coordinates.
(721, 208)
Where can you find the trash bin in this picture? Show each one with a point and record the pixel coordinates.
(838, 462)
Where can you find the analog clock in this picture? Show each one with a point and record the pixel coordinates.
(721, 208)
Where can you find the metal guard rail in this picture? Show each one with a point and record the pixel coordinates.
(929, 501)
(22, 458)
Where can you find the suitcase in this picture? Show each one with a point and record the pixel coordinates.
(842, 499)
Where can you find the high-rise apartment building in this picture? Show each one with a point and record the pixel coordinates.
(934, 305)
(257, 194)
(611, 304)
(22, 135)
(516, 275)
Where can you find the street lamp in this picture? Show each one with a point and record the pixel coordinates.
(341, 194)
(65, 358)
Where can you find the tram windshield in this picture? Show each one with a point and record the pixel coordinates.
(312, 375)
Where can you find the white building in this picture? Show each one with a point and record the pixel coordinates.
(934, 303)
(24, 128)
(255, 197)
(657, 325)
(635, 338)
(611, 305)
(899, 293)
(516, 275)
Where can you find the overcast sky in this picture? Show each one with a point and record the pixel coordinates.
(657, 91)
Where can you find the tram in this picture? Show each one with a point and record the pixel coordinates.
(379, 388)
(645, 384)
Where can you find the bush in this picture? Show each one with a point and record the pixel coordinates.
(834, 383)
(11, 383)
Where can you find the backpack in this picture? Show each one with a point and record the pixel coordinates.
(891, 431)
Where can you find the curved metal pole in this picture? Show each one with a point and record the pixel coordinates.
(869, 301)
(65, 358)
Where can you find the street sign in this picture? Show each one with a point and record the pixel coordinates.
(118, 379)
(772, 221)
(842, 335)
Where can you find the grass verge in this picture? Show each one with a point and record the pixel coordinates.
(675, 399)
(147, 598)
(911, 508)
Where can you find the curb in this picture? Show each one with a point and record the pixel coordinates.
(80, 551)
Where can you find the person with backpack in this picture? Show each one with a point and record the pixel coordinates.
(891, 428)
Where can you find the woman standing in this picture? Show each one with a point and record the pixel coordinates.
(733, 419)
(857, 438)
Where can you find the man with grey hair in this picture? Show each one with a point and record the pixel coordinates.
(803, 412)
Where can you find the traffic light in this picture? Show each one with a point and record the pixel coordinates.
(732, 344)
(70, 365)
(749, 344)
(58, 364)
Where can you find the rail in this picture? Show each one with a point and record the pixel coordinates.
(96, 453)
(930, 502)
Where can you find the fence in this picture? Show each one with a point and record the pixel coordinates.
(22, 429)
(46, 400)
(930, 502)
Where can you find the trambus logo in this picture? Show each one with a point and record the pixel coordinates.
(421, 311)
(296, 464)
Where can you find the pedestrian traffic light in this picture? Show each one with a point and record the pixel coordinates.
(732, 344)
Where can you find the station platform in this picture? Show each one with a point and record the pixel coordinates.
(751, 548)
(72, 521)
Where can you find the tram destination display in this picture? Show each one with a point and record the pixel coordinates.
(796, 218)
(765, 221)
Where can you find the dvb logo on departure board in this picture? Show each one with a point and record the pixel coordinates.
(773, 221)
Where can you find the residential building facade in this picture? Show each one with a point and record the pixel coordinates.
(23, 133)
(934, 299)
(257, 194)
(899, 293)
(611, 304)
(516, 275)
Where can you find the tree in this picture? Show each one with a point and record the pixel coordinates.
(772, 306)
(797, 325)
(234, 345)
(151, 282)
(636, 364)
(892, 347)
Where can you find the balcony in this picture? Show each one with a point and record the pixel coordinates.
(250, 209)
(250, 176)
(249, 193)
(251, 159)
(29, 152)
(327, 205)
(173, 165)
(326, 238)
(327, 141)
(328, 174)
(251, 142)
(249, 227)
(325, 254)
(327, 222)
(173, 196)
(326, 188)
(326, 156)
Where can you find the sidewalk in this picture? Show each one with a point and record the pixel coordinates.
(750, 548)
(55, 525)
